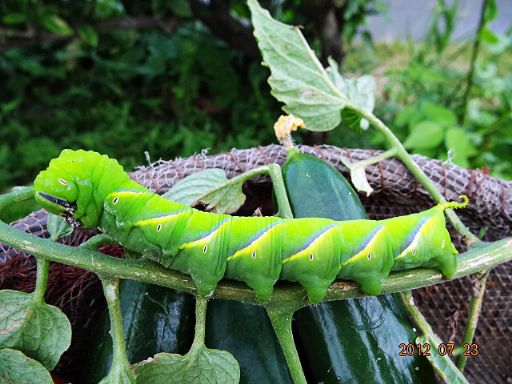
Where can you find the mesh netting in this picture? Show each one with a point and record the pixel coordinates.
(396, 192)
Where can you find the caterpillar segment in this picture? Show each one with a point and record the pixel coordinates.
(94, 190)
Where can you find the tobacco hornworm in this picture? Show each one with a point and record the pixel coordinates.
(93, 190)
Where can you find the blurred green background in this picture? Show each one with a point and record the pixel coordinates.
(174, 77)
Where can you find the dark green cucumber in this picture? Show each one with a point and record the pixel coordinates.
(156, 319)
(351, 341)
(245, 331)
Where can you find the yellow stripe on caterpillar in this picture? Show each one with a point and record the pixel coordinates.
(308, 251)
(160, 219)
(253, 244)
(206, 239)
(366, 251)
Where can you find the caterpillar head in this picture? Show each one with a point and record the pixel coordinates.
(75, 185)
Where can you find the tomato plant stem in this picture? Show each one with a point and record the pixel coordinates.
(120, 364)
(281, 318)
(41, 280)
(199, 332)
(474, 312)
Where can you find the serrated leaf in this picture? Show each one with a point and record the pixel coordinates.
(58, 227)
(16, 368)
(427, 134)
(443, 365)
(40, 331)
(57, 25)
(14, 18)
(297, 76)
(209, 366)
(360, 91)
(88, 34)
(210, 187)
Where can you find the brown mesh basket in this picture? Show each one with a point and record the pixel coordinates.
(396, 192)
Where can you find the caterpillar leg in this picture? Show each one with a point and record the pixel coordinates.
(262, 287)
(316, 265)
(202, 266)
(254, 253)
(257, 266)
(448, 265)
(316, 289)
(372, 263)
(371, 285)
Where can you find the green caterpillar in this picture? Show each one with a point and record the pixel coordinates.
(93, 190)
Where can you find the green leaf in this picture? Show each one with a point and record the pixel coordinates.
(58, 227)
(55, 24)
(181, 8)
(427, 134)
(210, 187)
(439, 114)
(458, 141)
(190, 189)
(297, 77)
(443, 365)
(360, 91)
(16, 368)
(208, 366)
(407, 115)
(41, 331)
(227, 198)
(88, 35)
(14, 18)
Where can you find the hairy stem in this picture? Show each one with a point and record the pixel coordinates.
(283, 204)
(120, 363)
(97, 241)
(415, 313)
(41, 280)
(474, 313)
(281, 318)
(199, 331)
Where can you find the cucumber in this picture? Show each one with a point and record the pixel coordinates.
(350, 341)
(245, 331)
(155, 319)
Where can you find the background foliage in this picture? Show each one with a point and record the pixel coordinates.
(173, 77)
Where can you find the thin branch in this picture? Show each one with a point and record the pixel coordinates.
(474, 55)
(216, 15)
(474, 313)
